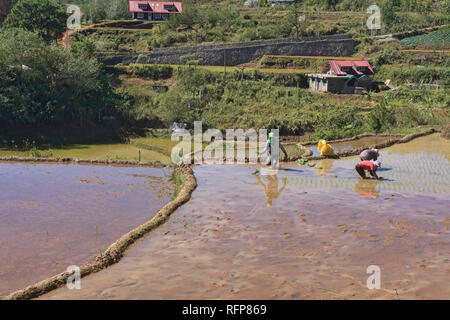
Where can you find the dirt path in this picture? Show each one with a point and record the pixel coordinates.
(63, 41)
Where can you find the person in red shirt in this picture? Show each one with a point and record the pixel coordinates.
(370, 166)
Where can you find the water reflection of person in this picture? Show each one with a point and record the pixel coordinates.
(366, 188)
(324, 166)
(271, 190)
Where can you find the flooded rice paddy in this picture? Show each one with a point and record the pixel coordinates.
(302, 233)
(56, 215)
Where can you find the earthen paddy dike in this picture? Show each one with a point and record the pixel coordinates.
(352, 144)
(304, 233)
(56, 215)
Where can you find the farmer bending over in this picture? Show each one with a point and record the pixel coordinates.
(370, 166)
(369, 154)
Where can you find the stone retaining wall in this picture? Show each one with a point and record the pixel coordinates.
(232, 54)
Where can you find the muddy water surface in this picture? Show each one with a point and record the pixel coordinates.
(303, 233)
(56, 215)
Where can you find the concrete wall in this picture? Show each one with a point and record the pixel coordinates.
(338, 85)
(232, 54)
(333, 85)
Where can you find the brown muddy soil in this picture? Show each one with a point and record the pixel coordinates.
(301, 233)
(56, 215)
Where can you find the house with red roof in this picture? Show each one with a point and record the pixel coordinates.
(344, 76)
(154, 10)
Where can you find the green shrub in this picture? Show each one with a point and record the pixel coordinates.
(154, 72)
(336, 123)
(389, 55)
(55, 86)
(427, 98)
(381, 117)
(36, 153)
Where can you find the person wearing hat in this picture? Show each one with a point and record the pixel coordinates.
(268, 148)
(369, 154)
(370, 166)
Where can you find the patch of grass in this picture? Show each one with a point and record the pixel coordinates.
(37, 153)
(220, 69)
(179, 180)
(298, 63)
(160, 145)
(294, 151)
(94, 152)
(5, 152)
(257, 101)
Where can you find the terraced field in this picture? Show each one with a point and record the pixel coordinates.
(437, 37)
(299, 233)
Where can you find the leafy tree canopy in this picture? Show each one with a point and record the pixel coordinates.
(42, 84)
(45, 17)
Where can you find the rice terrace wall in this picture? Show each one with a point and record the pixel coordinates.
(232, 54)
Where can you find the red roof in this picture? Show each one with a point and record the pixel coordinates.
(353, 64)
(155, 6)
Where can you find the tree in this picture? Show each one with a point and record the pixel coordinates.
(46, 17)
(292, 20)
(83, 46)
(188, 18)
(108, 9)
(331, 4)
(42, 84)
(381, 117)
(191, 59)
(389, 8)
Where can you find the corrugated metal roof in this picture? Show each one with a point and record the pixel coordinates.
(155, 6)
(353, 64)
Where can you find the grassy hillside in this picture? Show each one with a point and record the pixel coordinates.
(228, 21)
(254, 100)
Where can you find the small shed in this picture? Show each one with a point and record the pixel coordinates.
(344, 76)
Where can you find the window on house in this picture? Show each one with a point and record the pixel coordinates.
(144, 6)
(170, 7)
(362, 69)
